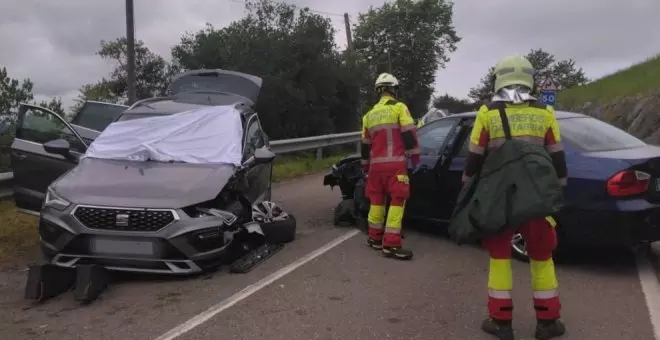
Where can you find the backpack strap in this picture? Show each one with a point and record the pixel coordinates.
(505, 120)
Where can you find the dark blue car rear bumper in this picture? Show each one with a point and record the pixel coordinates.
(609, 228)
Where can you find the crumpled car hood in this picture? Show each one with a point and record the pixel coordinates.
(132, 184)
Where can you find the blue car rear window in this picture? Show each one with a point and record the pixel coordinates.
(592, 135)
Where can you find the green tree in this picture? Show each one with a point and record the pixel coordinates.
(410, 39)
(453, 104)
(307, 88)
(564, 73)
(153, 74)
(13, 92)
(54, 105)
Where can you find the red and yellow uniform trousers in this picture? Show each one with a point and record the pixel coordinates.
(535, 124)
(389, 136)
(541, 239)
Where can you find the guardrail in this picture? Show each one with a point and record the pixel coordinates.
(5, 184)
(278, 146)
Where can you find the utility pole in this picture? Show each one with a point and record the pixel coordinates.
(351, 58)
(349, 35)
(130, 51)
(389, 61)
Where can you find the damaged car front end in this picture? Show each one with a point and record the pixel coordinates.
(353, 208)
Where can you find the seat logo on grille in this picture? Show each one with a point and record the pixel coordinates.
(121, 220)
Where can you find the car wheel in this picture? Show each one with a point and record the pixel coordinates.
(344, 213)
(519, 248)
(45, 255)
(277, 225)
(362, 224)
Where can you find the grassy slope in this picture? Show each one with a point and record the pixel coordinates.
(18, 232)
(637, 79)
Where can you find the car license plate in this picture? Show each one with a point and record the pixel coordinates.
(104, 246)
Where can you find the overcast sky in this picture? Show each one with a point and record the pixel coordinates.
(53, 41)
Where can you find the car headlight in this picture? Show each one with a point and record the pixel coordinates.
(55, 201)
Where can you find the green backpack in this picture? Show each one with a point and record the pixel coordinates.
(516, 184)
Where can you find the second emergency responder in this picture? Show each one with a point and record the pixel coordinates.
(535, 123)
(389, 137)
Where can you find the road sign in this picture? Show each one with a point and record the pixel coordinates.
(547, 83)
(548, 98)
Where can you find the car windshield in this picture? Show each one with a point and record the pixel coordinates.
(209, 135)
(97, 116)
(590, 134)
(140, 115)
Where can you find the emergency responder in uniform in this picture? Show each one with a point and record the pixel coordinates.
(535, 123)
(389, 137)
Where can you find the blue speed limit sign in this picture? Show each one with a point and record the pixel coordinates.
(548, 97)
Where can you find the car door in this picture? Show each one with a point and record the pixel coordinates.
(258, 176)
(454, 164)
(427, 186)
(34, 168)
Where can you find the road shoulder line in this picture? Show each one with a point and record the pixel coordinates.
(251, 289)
(651, 290)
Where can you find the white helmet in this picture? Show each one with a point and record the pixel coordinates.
(386, 80)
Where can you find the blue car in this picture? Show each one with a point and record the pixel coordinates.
(612, 197)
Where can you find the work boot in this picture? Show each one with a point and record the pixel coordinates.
(397, 253)
(548, 329)
(502, 329)
(375, 244)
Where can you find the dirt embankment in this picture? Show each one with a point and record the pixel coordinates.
(639, 115)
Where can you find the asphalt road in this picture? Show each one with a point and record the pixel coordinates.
(345, 292)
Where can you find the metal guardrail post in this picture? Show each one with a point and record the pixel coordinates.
(6, 179)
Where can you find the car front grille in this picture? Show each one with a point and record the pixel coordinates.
(124, 219)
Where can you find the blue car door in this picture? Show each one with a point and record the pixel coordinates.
(453, 166)
(427, 186)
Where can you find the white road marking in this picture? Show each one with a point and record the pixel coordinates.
(651, 290)
(253, 288)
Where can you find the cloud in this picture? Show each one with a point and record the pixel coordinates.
(54, 42)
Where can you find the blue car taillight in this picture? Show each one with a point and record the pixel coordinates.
(628, 183)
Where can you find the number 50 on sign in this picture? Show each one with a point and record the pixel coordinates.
(548, 97)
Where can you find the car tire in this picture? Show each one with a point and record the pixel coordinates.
(519, 248)
(362, 224)
(283, 231)
(517, 253)
(344, 213)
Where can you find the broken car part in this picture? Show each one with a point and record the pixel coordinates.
(47, 281)
(91, 281)
(255, 257)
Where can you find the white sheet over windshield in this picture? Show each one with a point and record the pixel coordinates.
(209, 135)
